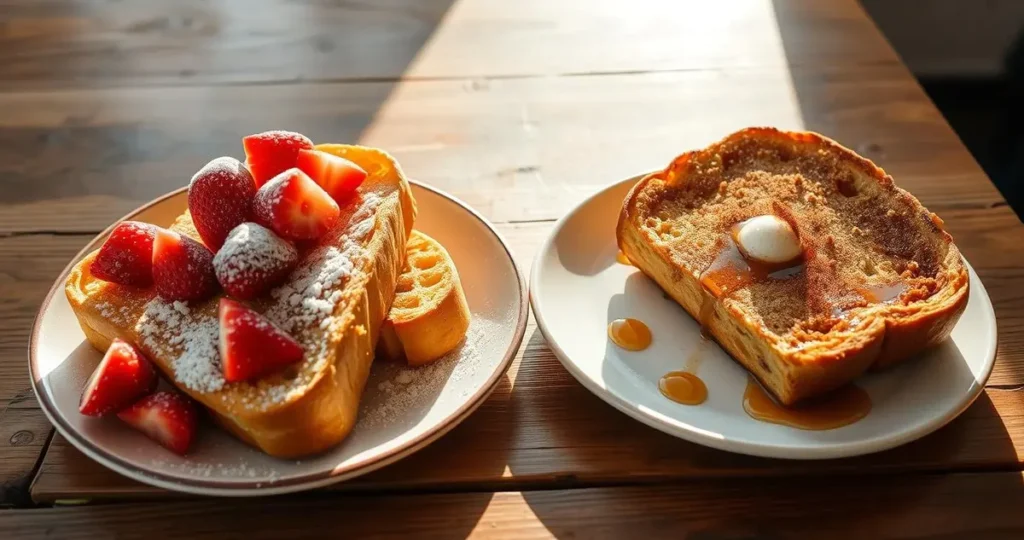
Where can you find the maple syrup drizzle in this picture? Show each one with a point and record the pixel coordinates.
(836, 409)
(683, 387)
(623, 259)
(730, 271)
(630, 334)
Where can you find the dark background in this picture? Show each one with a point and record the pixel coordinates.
(969, 57)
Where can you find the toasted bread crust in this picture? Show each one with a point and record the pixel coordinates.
(430, 316)
(322, 399)
(875, 336)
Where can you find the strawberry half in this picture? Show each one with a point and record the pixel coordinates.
(295, 207)
(168, 418)
(126, 257)
(250, 345)
(252, 260)
(182, 267)
(338, 176)
(270, 153)
(220, 198)
(123, 376)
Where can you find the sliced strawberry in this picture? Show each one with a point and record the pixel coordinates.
(270, 153)
(123, 376)
(220, 198)
(182, 267)
(168, 418)
(127, 255)
(252, 260)
(338, 176)
(250, 345)
(295, 207)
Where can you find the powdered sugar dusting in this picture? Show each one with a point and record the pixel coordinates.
(399, 389)
(174, 330)
(224, 166)
(252, 251)
(314, 290)
(240, 469)
(304, 307)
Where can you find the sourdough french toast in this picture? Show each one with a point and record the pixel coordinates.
(333, 303)
(429, 316)
(878, 280)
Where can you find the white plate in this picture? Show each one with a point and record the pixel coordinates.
(402, 410)
(577, 288)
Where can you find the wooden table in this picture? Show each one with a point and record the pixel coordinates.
(521, 109)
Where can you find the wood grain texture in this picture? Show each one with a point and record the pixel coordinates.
(520, 109)
(541, 427)
(983, 506)
(522, 149)
(28, 266)
(96, 43)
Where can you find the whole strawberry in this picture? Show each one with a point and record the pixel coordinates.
(252, 260)
(220, 198)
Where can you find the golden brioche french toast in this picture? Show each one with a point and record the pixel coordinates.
(429, 316)
(803, 260)
(332, 303)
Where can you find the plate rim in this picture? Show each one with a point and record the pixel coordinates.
(694, 435)
(264, 487)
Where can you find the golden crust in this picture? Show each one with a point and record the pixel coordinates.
(430, 316)
(321, 398)
(862, 229)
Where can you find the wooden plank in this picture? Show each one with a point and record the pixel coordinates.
(28, 266)
(64, 43)
(523, 149)
(924, 506)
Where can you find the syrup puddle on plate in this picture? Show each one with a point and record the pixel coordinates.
(683, 387)
(630, 334)
(836, 409)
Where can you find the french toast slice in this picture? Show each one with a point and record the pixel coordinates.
(880, 280)
(333, 304)
(429, 316)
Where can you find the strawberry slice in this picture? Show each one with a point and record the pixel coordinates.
(168, 418)
(250, 345)
(182, 267)
(123, 376)
(270, 153)
(338, 176)
(252, 260)
(220, 198)
(126, 257)
(295, 207)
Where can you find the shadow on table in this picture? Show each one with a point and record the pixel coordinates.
(162, 88)
(578, 441)
(692, 490)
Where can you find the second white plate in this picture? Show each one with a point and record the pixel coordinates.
(577, 288)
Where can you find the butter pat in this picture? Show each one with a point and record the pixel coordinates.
(767, 239)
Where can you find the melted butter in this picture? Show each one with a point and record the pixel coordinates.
(623, 259)
(683, 387)
(839, 408)
(883, 294)
(731, 271)
(630, 334)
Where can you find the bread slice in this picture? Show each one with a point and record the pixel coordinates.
(333, 303)
(429, 316)
(881, 280)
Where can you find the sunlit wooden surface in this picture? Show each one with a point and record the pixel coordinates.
(521, 109)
